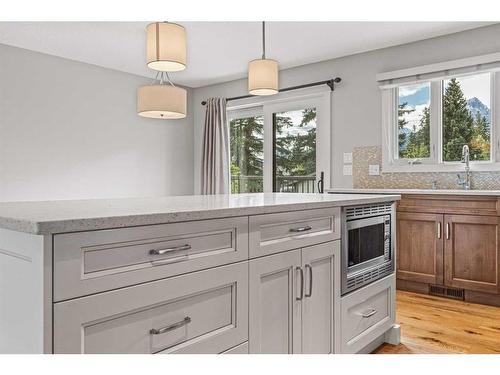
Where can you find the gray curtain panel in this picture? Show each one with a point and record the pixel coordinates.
(215, 174)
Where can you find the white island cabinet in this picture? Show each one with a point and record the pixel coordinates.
(252, 273)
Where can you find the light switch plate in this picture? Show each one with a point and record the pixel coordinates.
(347, 157)
(347, 170)
(374, 170)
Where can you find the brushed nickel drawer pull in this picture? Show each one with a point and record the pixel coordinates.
(447, 231)
(368, 314)
(439, 229)
(169, 250)
(310, 293)
(301, 272)
(171, 327)
(301, 229)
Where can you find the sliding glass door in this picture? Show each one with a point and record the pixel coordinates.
(281, 146)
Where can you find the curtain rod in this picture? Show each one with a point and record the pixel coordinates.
(330, 83)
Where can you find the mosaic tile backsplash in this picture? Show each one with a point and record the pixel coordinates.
(362, 157)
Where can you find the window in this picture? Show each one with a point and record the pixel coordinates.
(294, 151)
(246, 145)
(426, 124)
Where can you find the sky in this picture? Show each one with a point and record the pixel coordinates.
(296, 117)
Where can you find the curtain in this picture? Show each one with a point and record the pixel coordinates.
(215, 174)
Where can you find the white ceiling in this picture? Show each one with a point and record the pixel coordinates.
(218, 51)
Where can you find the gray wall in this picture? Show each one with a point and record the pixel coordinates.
(356, 117)
(70, 130)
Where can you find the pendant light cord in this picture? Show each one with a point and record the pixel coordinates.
(263, 40)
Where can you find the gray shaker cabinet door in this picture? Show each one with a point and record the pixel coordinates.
(274, 316)
(319, 264)
(202, 312)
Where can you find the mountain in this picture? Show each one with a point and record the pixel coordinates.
(475, 105)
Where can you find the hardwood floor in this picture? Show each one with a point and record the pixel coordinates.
(435, 325)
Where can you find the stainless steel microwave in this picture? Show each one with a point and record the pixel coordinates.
(368, 245)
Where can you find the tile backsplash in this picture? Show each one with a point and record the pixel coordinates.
(364, 156)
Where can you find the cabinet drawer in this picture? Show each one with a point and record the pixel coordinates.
(367, 313)
(273, 233)
(203, 312)
(92, 262)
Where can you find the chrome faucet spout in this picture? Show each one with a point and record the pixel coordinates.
(466, 181)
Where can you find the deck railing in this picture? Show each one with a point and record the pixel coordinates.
(284, 184)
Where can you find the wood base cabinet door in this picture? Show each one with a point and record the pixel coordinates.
(472, 252)
(420, 247)
(319, 263)
(275, 290)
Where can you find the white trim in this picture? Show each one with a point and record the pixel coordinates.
(267, 167)
(256, 101)
(438, 67)
(436, 114)
(389, 123)
(234, 114)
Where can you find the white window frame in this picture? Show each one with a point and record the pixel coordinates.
(319, 99)
(390, 160)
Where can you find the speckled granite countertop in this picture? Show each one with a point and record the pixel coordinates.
(414, 191)
(49, 217)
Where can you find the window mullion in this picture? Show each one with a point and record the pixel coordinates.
(494, 121)
(436, 121)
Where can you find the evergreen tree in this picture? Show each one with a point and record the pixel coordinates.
(307, 144)
(283, 145)
(457, 123)
(481, 138)
(402, 123)
(246, 146)
(418, 145)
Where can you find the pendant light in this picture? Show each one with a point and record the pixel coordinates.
(165, 52)
(263, 73)
(162, 100)
(166, 46)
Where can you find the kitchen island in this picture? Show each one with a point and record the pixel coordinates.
(190, 274)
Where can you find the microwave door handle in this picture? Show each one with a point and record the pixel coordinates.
(360, 223)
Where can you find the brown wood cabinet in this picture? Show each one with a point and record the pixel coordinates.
(420, 247)
(471, 252)
(452, 241)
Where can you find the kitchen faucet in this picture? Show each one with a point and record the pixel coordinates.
(466, 181)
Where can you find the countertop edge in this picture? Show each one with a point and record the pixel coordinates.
(475, 193)
(115, 222)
